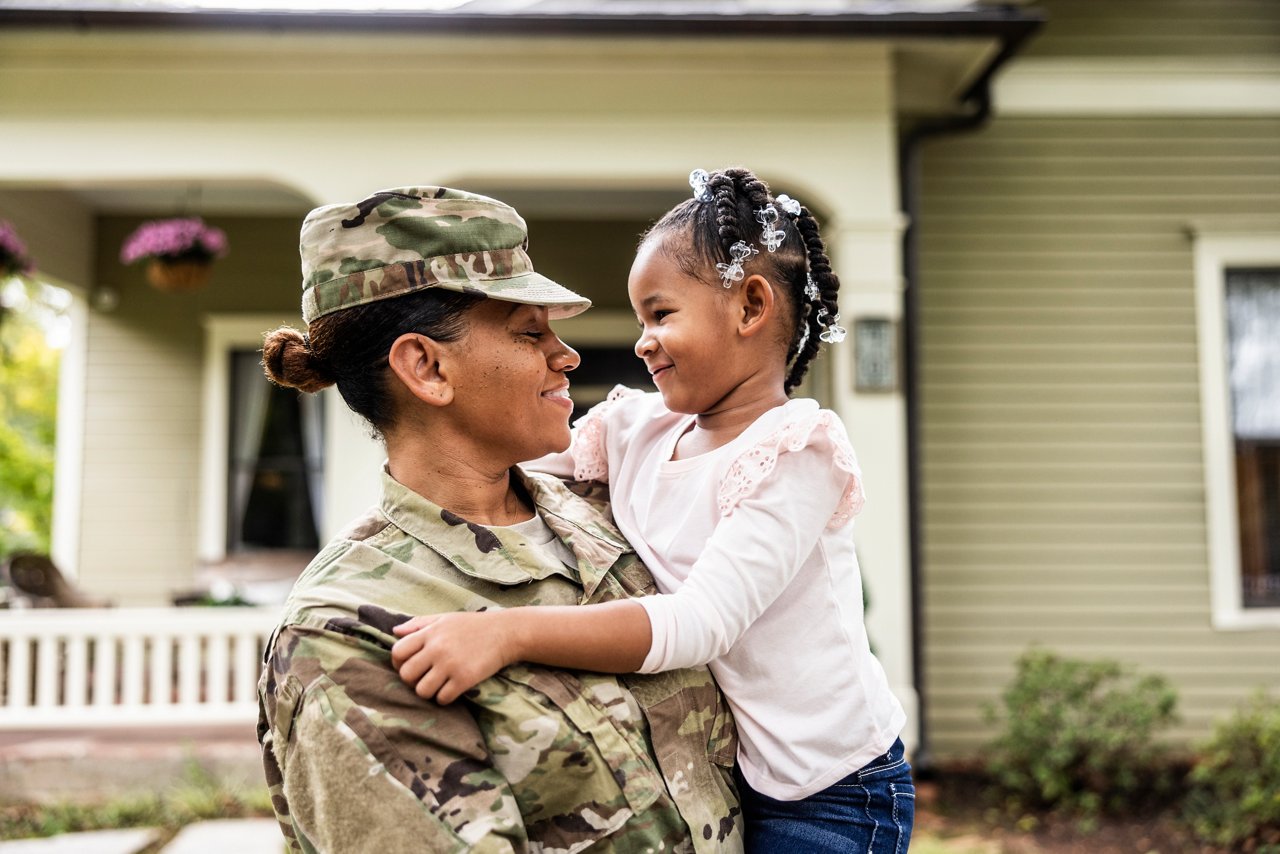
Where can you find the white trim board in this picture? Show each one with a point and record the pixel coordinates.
(68, 465)
(1139, 87)
(1215, 253)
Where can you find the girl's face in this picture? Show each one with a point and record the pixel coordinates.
(687, 338)
(509, 381)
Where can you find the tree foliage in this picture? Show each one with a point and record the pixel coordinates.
(28, 411)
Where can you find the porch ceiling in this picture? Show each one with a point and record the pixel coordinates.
(220, 198)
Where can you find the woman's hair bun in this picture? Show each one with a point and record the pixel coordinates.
(287, 360)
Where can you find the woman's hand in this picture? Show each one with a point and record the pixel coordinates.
(444, 655)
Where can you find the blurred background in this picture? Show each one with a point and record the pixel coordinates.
(1056, 222)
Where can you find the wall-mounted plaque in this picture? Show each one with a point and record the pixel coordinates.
(875, 354)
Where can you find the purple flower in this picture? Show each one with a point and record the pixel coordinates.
(187, 239)
(13, 252)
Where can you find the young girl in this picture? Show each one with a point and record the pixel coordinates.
(740, 501)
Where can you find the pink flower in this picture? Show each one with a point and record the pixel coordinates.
(186, 239)
(13, 252)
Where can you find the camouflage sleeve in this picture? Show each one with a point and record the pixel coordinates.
(357, 762)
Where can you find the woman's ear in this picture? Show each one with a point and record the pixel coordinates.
(418, 362)
(755, 305)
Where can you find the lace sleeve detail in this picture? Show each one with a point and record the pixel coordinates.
(753, 466)
(590, 457)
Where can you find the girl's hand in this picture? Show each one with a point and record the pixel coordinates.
(444, 655)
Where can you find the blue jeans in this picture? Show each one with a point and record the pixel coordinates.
(871, 811)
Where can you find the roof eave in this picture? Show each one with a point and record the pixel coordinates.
(994, 22)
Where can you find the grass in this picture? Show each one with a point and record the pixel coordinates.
(199, 796)
(925, 842)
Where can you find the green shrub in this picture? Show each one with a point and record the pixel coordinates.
(1080, 736)
(1234, 799)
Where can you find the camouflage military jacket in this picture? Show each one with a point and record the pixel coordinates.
(534, 759)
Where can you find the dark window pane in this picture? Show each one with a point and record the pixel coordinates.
(602, 368)
(275, 471)
(1253, 318)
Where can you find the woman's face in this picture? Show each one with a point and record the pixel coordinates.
(510, 388)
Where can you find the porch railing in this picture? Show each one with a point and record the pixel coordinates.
(130, 666)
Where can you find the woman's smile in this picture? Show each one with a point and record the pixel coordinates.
(656, 371)
(559, 396)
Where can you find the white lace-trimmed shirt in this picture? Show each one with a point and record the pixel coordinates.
(753, 542)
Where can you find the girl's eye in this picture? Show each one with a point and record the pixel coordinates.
(536, 335)
(660, 313)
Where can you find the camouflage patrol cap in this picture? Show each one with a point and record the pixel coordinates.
(412, 238)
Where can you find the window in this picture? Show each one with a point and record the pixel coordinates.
(275, 465)
(1253, 369)
(262, 448)
(1237, 312)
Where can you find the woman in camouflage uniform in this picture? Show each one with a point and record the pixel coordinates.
(424, 309)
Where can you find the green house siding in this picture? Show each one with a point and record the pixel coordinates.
(1152, 29)
(1062, 474)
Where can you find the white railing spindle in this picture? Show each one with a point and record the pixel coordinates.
(217, 662)
(134, 671)
(19, 676)
(189, 666)
(77, 680)
(104, 670)
(244, 685)
(46, 671)
(161, 684)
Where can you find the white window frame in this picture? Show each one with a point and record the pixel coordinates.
(223, 334)
(68, 467)
(1216, 251)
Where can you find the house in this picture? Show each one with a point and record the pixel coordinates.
(1033, 235)
(1080, 484)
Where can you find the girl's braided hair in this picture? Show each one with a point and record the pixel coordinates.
(728, 217)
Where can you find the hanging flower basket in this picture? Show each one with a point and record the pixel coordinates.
(14, 260)
(176, 277)
(179, 252)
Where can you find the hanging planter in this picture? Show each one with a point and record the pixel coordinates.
(176, 277)
(179, 252)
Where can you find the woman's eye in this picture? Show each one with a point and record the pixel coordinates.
(535, 334)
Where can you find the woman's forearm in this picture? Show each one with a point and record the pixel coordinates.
(610, 637)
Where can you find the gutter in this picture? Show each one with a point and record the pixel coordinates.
(977, 103)
(969, 23)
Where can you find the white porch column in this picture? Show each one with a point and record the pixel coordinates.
(353, 464)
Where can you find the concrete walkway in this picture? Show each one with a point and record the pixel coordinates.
(242, 836)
